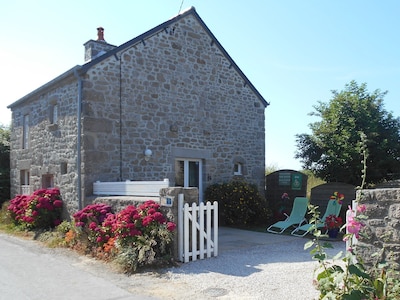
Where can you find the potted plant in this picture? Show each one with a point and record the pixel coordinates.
(333, 224)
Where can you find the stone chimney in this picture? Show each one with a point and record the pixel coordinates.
(100, 34)
(94, 49)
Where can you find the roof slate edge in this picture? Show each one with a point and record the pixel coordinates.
(47, 85)
(162, 27)
(83, 69)
(246, 80)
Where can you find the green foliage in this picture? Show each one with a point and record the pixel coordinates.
(6, 221)
(347, 277)
(331, 152)
(312, 181)
(133, 238)
(270, 169)
(240, 203)
(4, 164)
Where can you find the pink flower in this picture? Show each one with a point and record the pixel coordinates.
(361, 208)
(147, 220)
(353, 225)
(57, 203)
(159, 217)
(92, 225)
(171, 226)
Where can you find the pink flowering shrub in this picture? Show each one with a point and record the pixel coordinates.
(90, 221)
(42, 209)
(137, 236)
(354, 224)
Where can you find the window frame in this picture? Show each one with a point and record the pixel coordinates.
(25, 131)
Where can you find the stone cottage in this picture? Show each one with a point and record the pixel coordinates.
(170, 103)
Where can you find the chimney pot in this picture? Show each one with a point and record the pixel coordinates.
(100, 34)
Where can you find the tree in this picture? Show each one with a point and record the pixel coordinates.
(4, 164)
(332, 152)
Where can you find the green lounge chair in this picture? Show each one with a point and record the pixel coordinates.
(333, 208)
(296, 218)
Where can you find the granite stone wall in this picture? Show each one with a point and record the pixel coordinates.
(52, 147)
(176, 94)
(382, 227)
(173, 92)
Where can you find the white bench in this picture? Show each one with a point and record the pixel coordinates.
(130, 188)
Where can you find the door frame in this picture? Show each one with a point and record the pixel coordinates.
(186, 173)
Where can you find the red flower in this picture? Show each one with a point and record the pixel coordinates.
(57, 203)
(147, 220)
(171, 226)
(332, 222)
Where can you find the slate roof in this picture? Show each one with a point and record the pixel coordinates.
(139, 39)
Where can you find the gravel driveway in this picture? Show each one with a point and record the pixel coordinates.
(250, 265)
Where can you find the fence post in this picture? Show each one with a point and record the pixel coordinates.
(215, 228)
(194, 231)
(180, 227)
(201, 229)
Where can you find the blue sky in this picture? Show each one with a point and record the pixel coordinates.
(294, 52)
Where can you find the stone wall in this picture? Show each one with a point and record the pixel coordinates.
(178, 96)
(382, 227)
(52, 147)
(174, 92)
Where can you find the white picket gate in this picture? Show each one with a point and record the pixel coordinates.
(197, 230)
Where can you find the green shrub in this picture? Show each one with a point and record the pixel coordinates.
(240, 203)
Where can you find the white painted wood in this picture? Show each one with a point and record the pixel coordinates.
(215, 244)
(186, 240)
(198, 237)
(202, 236)
(130, 188)
(180, 226)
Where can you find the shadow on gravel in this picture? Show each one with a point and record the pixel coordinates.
(242, 253)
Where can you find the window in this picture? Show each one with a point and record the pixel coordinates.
(188, 173)
(63, 168)
(54, 113)
(25, 132)
(47, 181)
(237, 169)
(24, 181)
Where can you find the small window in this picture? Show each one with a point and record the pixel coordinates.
(54, 114)
(25, 133)
(63, 168)
(47, 181)
(237, 169)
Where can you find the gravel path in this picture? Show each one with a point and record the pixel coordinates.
(250, 266)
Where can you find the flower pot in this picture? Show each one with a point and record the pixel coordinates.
(333, 233)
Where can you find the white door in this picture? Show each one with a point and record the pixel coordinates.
(188, 174)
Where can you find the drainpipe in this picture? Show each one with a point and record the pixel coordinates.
(120, 114)
(78, 142)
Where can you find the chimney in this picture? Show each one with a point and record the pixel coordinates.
(94, 49)
(100, 34)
